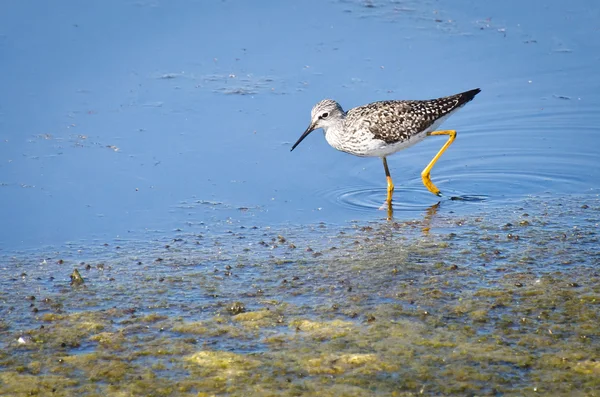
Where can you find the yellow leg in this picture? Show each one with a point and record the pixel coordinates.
(390, 184)
(425, 174)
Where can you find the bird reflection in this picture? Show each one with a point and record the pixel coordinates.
(430, 213)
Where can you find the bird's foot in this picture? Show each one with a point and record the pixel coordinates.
(429, 185)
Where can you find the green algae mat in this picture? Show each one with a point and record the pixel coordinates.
(501, 302)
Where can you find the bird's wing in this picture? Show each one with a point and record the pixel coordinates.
(390, 121)
(398, 121)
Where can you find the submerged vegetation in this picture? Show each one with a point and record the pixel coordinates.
(500, 303)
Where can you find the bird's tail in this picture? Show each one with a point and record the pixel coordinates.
(465, 97)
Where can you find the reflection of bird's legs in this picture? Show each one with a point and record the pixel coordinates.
(429, 214)
(425, 174)
(390, 211)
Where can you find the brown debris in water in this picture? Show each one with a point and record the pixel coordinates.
(76, 278)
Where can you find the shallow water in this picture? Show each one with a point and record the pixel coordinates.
(498, 302)
(147, 144)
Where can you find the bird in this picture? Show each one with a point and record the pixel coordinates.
(382, 128)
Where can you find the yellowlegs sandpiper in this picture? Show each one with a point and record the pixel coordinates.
(383, 128)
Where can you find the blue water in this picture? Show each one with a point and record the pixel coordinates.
(123, 118)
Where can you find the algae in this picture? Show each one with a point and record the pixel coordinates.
(460, 310)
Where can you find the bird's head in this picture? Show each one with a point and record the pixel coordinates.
(323, 115)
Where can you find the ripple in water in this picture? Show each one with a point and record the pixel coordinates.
(406, 198)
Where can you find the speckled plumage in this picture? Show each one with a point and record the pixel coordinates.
(397, 121)
(382, 128)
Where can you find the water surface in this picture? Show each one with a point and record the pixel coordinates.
(147, 145)
(116, 117)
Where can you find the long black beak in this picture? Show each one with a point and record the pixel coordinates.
(310, 129)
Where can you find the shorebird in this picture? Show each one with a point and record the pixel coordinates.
(380, 129)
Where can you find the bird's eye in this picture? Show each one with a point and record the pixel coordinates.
(324, 115)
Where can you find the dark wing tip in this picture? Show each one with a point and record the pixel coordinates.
(469, 95)
(462, 98)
